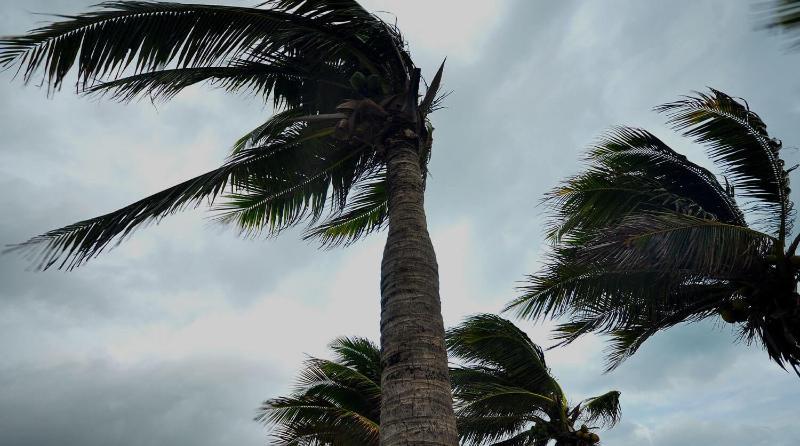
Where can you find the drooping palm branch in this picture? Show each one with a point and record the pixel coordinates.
(505, 394)
(335, 402)
(644, 239)
(337, 75)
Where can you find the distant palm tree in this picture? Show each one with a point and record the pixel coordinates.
(336, 402)
(505, 394)
(346, 153)
(644, 239)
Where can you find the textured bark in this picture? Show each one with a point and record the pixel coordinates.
(417, 403)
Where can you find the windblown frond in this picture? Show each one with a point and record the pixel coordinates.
(604, 409)
(367, 212)
(489, 340)
(504, 393)
(737, 140)
(335, 402)
(145, 36)
(73, 245)
(632, 170)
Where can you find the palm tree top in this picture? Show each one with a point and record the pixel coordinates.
(341, 79)
(643, 239)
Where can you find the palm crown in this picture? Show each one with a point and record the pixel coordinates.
(644, 239)
(340, 78)
(335, 402)
(505, 394)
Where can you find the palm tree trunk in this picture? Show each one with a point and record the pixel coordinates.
(417, 404)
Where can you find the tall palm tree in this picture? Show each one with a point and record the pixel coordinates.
(644, 239)
(346, 152)
(505, 394)
(335, 403)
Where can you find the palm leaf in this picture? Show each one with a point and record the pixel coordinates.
(604, 409)
(632, 170)
(145, 36)
(73, 245)
(677, 242)
(367, 212)
(286, 80)
(737, 140)
(334, 403)
(491, 341)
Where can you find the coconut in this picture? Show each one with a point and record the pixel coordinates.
(727, 315)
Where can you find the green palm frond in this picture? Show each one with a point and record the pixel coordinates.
(324, 169)
(737, 141)
(481, 430)
(360, 354)
(367, 212)
(646, 241)
(144, 36)
(335, 402)
(499, 399)
(489, 340)
(604, 409)
(73, 245)
(285, 80)
(632, 170)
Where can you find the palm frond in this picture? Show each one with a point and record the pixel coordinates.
(289, 80)
(334, 403)
(489, 340)
(270, 204)
(632, 170)
(367, 212)
(678, 242)
(737, 140)
(73, 245)
(604, 409)
(477, 431)
(144, 36)
(359, 354)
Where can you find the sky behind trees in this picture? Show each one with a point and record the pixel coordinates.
(176, 336)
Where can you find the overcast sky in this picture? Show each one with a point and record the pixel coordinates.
(175, 337)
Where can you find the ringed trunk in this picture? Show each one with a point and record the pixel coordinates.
(417, 403)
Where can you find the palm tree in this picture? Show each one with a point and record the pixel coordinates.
(644, 239)
(505, 394)
(336, 402)
(346, 152)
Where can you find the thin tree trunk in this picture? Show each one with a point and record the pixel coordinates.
(417, 403)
